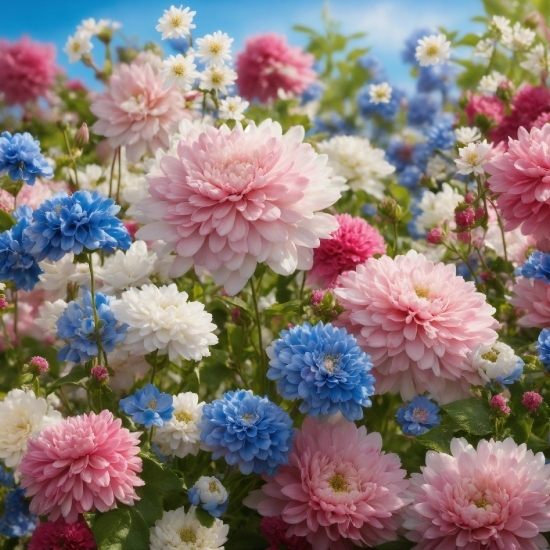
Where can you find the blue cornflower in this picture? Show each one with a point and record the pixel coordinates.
(436, 77)
(210, 495)
(537, 267)
(422, 110)
(21, 159)
(75, 223)
(543, 347)
(313, 92)
(17, 520)
(408, 54)
(410, 176)
(149, 406)
(387, 111)
(375, 68)
(247, 430)
(418, 416)
(77, 326)
(16, 264)
(441, 135)
(323, 366)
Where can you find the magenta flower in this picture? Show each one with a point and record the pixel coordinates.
(533, 297)
(58, 535)
(84, 463)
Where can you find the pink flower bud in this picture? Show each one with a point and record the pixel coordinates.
(82, 136)
(499, 402)
(531, 400)
(317, 297)
(40, 363)
(131, 226)
(3, 302)
(464, 237)
(289, 326)
(486, 276)
(435, 235)
(480, 212)
(100, 373)
(236, 315)
(466, 217)
(469, 197)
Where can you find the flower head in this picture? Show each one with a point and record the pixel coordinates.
(518, 38)
(408, 54)
(59, 535)
(489, 83)
(16, 521)
(210, 495)
(533, 297)
(380, 93)
(436, 208)
(537, 61)
(232, 108)
(473, 157)
(176, 22)
(148, 406)
(418, 416)
(247, 430)
(274, 529)
(100, 373)
(537, 267)
(218, 77)
(467, 134)
(532, 400)
(432, 50)
(499, 402)
(497, 363)
(78, 45)
(179, 71)
(543, 347)
(214, 49)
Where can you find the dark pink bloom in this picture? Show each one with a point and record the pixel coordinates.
(100, 373)
(499, 402)
(3, 302)
(131, 226)
(435, 235)
(532, 400)
(274, 531)
(317, 297)
(268, 64)
(58, 535)
(489, 106)
(469, 197)
(39, 362)
(465, 218)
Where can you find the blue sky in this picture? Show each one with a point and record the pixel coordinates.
(387, 22)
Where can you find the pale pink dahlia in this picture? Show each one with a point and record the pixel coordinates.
(233, 198)
(521, 178)
(82, 464)
(339, 489)
(268, 64)
(418, 321)
(353, 243)
(136, 111)
(494, 498)
(533, 297)
(27, 70)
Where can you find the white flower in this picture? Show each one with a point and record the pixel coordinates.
(520, 38)
(177, 530)
(218, 78)
(57, 275)
(179, 70)
(48, 314)
(484, 48)
(180, 436)
(125, 269)
(473, 157)
(356, 160)
(176, 22)
(22, 415)
(214, 49)
(501, 25)
(2, 286)
(165, 260)
(232, 108)
(162, 319)
(90, 26)
(433, 49)
(210, 490)
(498, 360)
(380, 93)
(78, 45)
(490, 83)
(438, 168)
(536, 61)
(437, 207)
(467, 134)
(266, 301)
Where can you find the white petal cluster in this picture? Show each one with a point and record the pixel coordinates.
(162, 319)
(490, 82)
(179, 70)
(439, 168)
(536, 61)
(433, 49)
(210, 490)
(356, 160)
(48, 314)
(492, 361)
(94, 27)
(214, 49)
(78, 45)
(232, 108)
(473, 157)
(57, 275)
(176, 22)
(178, 530)
(180, 436)
(519, 38)
(467, 134)
(484, 49)
(22, 415)
(437, 207)
(127, 369)
(501, 26)
(218, 77)
(380, 93)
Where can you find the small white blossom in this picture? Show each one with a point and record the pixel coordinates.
(210, 490)
(473, 157)
(437, 207)
(501, 25)
(433, 49)
(179, 70)
(496, 361)
(484, 48)
(438, 168)
(92, 27)
(214, 49)
(232, 108)
(490, 82)
(520, 38)
(48, 314)
(467, 134)
(2, 286)
(176, 22)
(536, 61)
(380, 93)
(218, 78)
(78, 45)
(57, 275)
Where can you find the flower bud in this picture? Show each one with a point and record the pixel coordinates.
(3, 302)
(464, 217)
(82, 137)
(100, 373)
(531, 400)
(390, 209)
(435, 236)
(469, 197)
(499, 402)
(38, 365)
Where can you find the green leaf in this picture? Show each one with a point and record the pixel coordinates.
(246, 540)
(469, 39)
(471, 415)
(537, 444)
(162, 478)
(437, 439)
(235, 302)
(400, 194)
(121, 529)
(292, 307)
(6, 221)
(75, 378)
(149, 504)
(304, 29)
(521, 430)
(204, 517)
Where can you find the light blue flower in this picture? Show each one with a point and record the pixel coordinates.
(536, 267)
(422, 110)
(543, 347)
(149, 406)
(418, 416)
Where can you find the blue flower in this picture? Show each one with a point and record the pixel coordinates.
(436, 77)
(422, 110)
(402, 154)
(418, 416)
(537, 267)
(210, 495)
(17, 520)
(16, 264)
(333, 125)
(148, 406)
(372, 64)
(81, 222)
(410, 176)
(247, 430)
(387, 111)
(408, 55)
(6, 478)
(323, 366)
(441, 135)
(21, 159)
(313, 92)
(77, 326)
(543, 347)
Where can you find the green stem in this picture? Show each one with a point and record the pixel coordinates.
(119, 176)
(263, 382)
(66, 402)
(112, 172)
(395, 238)
(154, 369)
(501, 227)
(96, 317)
(303, 285)
(73, 160)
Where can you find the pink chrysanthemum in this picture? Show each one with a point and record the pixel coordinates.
(353, 243)
(136, 111)
(492, 498)
(58, 535)
(533, 297)
(520, 176)
(418, 321)
(82, 464)
(339, 489)
(233, 198)
(28, 70)
(489, 106)
(268, 64)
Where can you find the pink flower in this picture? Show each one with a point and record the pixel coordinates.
(531, 400)
(233, 198)
(268, 64)
(100, 373)
(492, 498)
(499, 402)
(136, 111)
(519, 177)
(40, 363)
(435, 235)
(274, 531)
(32, 195)
(418, 321)
(28, 70)
(354, 242)
(82, 464)
(339, 489)
(58, 535)
(533, 297)
(489, 106)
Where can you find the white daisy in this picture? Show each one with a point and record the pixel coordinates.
(473, 157)
(520, 38)
(176, 22)
(380, 93)
(232, 108)
(501, 25)
(484, 48)
(536, 61)
(467, 134)
(214, 49)
(179, 70)
(48, 314)
(218, 78)
(489, 83)
(78, 45)
(435, 208)
(92, 27)
(433, 49)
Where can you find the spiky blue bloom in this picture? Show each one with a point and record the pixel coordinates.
(323, 366)
(418, 416)
(440, 77)
(148, 406)
(543, 347)
(77, 326)
(313, 92)
(203, 499)
(374, 67)
(247, 430)
(21, 159)
(16, 264)
(17, 520)
(408, 54)
(536, 267)
(422, 110)
(441, 135)
(387, 111)
(76, 223)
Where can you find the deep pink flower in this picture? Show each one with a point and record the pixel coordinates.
(499, 402)
(418, 321)
(40, 363)
(136, 111)
(354, 242)
(84, 463)
(492, 498)
(58, 535)
(435, 235)
(274, 531)
(339, 490)
(487, 105)
(531, 400)
(233, 198)
(28, 70)
(100, 373)
(268, 64)
(466, 217)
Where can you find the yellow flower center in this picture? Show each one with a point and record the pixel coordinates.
(217, 78)
(481, 503)
(472, 158)
(215, 48)
(422, 292)
(188, 535)
(179, 69)
(432, 49)
(183, 416)
(75, 47)
(213, 487)
(248, 417)
(176, 21)
(338, 484)
(490, 356)
(152, 404)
